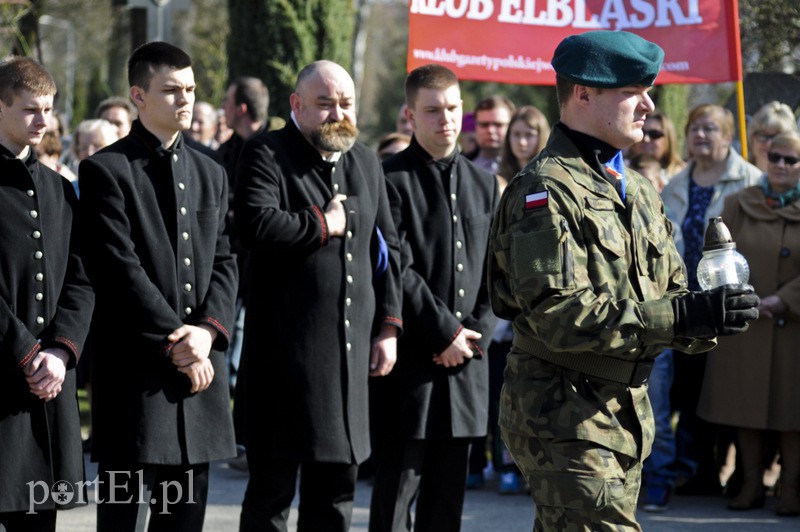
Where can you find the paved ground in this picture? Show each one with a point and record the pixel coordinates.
(485, 511)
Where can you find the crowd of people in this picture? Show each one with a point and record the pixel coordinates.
(433, 304)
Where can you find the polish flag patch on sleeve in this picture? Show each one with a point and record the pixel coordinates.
(536, 200)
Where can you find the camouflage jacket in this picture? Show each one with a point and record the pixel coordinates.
(578, 270)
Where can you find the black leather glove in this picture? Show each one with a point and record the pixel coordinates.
(719, 312)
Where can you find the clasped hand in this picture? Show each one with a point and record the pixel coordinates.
(46, 372)
(190, 354)
(459, 350)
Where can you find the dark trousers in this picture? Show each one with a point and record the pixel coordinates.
(695, 439)
(41, 521)
(175, 495)
(434, 472)
(326, 495)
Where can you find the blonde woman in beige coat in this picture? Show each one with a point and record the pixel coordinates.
(751, 382)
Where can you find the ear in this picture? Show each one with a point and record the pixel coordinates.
(241, 109)
(294, 102)
(137, 95)
(410, 117)
(583, 95)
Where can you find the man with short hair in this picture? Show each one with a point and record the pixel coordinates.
(311, 205)
(583, 264)
(204, 124)
(402, 125)
(492, 116)
(437, 396)
(45, 306)
(118, 111)
(245, 106)
(165, 282)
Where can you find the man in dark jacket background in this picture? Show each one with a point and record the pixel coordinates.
(309, 202)
(45, 304)
(246, 105)
(437, 396)
(166, 283)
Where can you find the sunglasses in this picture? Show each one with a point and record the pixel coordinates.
(775, 158)
(654, 134)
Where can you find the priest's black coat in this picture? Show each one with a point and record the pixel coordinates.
(312, 303)
(45, 301)
(158, 258)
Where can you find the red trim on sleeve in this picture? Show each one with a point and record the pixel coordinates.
(321, 216)
(69, 343)
(458, 331)
(477, 348)
(217, 325)
(35, 349)
(166, 350)
(391, 320)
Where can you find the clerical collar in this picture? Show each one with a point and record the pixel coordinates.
(332, 158)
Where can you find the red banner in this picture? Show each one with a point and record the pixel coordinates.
(512, 41)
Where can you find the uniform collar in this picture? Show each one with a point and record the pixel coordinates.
(28, 161)
(441, 164)
(152, 142)
(591, 148)
(572, 158)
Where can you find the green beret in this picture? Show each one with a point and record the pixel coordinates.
(608, 59)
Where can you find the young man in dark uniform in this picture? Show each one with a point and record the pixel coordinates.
(45, 306)
(166, 282)
(437, 397)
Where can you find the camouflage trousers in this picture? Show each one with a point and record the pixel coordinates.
(578, 485)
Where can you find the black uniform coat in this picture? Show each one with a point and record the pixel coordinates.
(158, 259)
(443, 221)
(45, 301)
(312, 300)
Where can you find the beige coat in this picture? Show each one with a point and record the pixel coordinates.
(752, 380)
(738, 175)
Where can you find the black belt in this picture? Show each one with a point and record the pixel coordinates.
(592, 364)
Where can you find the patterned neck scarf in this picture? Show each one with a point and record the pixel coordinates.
(778, 200)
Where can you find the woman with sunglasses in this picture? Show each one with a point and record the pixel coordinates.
(660, 141)
(771, 120)
(751, 383)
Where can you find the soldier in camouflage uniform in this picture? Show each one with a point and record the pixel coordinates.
(582, 262)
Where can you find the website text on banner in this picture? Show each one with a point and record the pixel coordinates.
(512, 41)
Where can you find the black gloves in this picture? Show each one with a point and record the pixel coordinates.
(719, 312)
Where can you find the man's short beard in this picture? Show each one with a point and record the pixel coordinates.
(335, 136)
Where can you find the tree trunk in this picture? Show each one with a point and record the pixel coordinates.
(274, 39)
